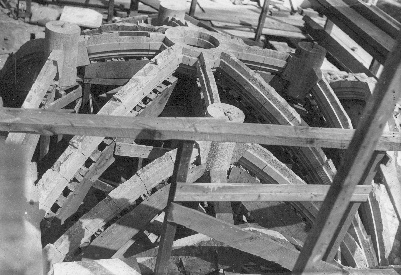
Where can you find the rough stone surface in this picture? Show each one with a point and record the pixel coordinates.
(82, 17)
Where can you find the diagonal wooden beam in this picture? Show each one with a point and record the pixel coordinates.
(378, 110)
(352, 210)
(207, 129)
(268, 248)
(139, 151)
(81, 147)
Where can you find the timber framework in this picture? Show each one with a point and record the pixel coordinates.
(159, 126)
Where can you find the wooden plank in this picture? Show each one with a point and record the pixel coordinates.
(180, 174)
(268, 248)
(262, 19)
(344, 58)
(260, 192)
(192, 7)
(125, 228)
(374, 14)
(350, 271)
(81, 147)
(103, 266)
(65, 100)
(139, 151)
(375, 41)
(351, 211)
(378, 110)
(207, 129)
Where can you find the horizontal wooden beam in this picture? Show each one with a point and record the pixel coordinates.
(103, 266)
(206, 129)
(260, 192)
(139, 151)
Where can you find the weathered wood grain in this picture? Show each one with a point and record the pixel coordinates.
(207, 129)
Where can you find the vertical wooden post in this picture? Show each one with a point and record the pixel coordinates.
(180, 174)
(378, 110)
(110, 12)
(28, 11)
(193, 7)
(64, 36)
(220, 154)
(262, 19)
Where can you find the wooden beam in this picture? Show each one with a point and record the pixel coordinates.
(103, 266)
(207, 129)
(125, 228)
(268, 248)
(376, 15)
(377, 111)
(65, 100)
(260, 192)
(110, 11)
(262, 19)
(352, 210)
(193, 7)
(350, 271)
(81, 147)
(180, 173)
(345, 59)
(369, 36)
(139, 151)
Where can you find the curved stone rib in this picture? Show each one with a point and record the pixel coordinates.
(207, 81)
(262, 245)
(276, 110)
(350, 87)
(128, 225)
(57, 178)
(267, 167)
(330, 106)
(113, 44)
(116, 201)
(125, 228)
(36, 95)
